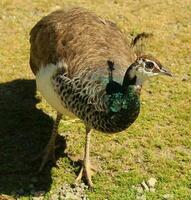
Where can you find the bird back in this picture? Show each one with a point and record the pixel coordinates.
(80, 39)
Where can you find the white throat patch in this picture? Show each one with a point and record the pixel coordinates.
(141, 73)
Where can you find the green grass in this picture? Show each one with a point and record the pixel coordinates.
(157, 145)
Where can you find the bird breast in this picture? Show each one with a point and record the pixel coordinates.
(45, 86)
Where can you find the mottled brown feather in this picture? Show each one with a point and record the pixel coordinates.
(79, 38)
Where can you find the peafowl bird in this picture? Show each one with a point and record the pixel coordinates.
(85, 67)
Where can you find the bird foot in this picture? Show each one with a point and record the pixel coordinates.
(85, 172)
(48, 154)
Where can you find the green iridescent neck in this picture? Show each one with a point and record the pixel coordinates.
(124, 101)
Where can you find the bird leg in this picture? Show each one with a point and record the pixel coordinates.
(49, 151)
(86, 167)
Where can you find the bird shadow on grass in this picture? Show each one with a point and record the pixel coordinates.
(24, 132)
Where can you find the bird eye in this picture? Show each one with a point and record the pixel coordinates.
(149, 65)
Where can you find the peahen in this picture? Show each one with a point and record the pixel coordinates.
(85, 66)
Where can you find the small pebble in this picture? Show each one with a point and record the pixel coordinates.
(144, 185)
(151, 182)
(139, 189)
(185, 77)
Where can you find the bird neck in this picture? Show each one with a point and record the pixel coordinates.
(130, 78)
(127, 101)
(125, 96)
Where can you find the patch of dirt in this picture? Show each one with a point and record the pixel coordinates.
(71, 192)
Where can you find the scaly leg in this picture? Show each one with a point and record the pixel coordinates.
(86, 167)
(49, 151)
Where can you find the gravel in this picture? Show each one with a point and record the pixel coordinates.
(68, 192)
(145, 186)
(65, 192)
(151, 182)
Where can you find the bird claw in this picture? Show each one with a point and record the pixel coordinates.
(48, 155)
(85, 172)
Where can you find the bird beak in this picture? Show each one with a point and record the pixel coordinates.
(164, 71)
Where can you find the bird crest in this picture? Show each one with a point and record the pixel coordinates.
(138, 43)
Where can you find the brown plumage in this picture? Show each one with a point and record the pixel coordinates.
(80, 38)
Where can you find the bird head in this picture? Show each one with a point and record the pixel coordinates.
(142, 69)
